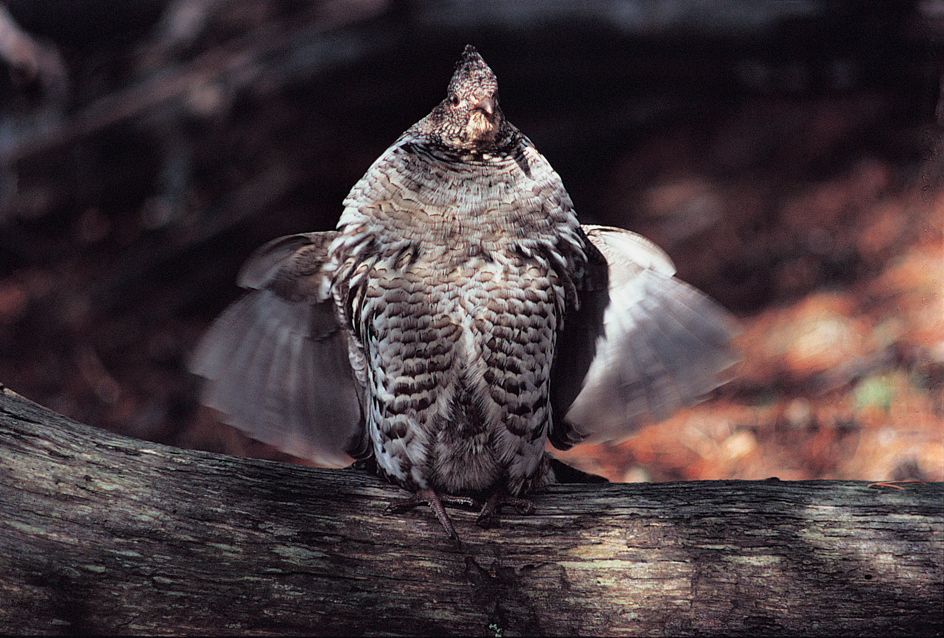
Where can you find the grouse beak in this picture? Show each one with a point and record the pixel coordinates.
(487, 106)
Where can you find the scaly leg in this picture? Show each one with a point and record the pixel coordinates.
(429, 497)
(489, 513)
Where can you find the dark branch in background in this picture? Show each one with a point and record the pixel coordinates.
(197, 89)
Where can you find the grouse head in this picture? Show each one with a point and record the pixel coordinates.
(469, 120)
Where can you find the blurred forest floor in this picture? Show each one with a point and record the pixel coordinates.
(792, 166)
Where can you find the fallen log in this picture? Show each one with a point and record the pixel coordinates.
(104, 534)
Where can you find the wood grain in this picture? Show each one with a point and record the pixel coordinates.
(105, 534)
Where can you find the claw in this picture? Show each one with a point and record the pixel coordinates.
(489, 513)
(429, 497)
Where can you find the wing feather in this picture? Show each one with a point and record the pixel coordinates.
(663, 344)
(276, 362)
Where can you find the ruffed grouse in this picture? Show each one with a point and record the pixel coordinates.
(458, 318)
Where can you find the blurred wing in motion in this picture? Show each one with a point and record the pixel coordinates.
(276, 362)
(664, 344)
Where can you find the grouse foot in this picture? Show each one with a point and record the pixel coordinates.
(429, 497)
(489, 514)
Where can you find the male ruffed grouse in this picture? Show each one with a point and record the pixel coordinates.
(458, 318)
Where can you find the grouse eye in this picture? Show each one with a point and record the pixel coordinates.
(454, 100)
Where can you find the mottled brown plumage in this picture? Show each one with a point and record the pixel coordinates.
(458, 319)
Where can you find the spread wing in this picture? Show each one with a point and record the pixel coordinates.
(663, 343)
(276, 362)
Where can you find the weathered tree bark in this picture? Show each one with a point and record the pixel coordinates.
(105, 534)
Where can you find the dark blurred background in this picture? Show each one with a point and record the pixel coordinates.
(787, 155)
